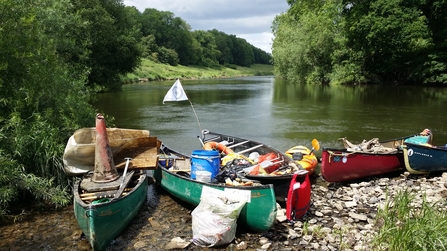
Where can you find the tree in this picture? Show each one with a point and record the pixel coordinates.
(372, 41)
(225, 46)
(208, 50)
(171, 32)
(392, 37)
(436, 65)
(111, 36)
(242, 52)
(261, 57)
(43, 100)
(298, 55)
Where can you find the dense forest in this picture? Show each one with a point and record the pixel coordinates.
(362, 41)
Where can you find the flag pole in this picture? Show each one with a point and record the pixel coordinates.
(200, 127)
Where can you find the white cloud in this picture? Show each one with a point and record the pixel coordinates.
(249, 19)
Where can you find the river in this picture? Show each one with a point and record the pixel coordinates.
(277, 112)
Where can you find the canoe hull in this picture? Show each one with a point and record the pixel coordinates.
(425, 159)
(259, 214)
(101, 223)
(338, 165)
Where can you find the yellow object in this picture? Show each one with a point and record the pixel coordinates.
(309, 161)
(233, 156)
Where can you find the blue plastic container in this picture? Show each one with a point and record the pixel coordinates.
(205, 160)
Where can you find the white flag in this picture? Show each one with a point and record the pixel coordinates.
(176, 93)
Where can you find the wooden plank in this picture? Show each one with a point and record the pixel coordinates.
(143, 151)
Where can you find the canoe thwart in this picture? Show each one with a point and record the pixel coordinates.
(250, 149)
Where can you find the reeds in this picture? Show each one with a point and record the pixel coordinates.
(408, 224)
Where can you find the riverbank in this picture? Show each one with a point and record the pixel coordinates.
(151, 71)
(343, 216)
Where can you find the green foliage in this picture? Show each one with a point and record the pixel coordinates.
(170, 32)
(393, 35)
(304, 58)
(167, 56)
(225, 46)
(407, 226)
(204, 48)
(242, 52)
(208, 52)
(157, 71)
(110, 34)
(43, 100)
(149, 47)
(373, 41)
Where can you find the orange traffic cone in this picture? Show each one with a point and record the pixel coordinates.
(105, 170)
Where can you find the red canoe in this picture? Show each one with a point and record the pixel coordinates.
(338, 165)
(370, 158)
(353, 162)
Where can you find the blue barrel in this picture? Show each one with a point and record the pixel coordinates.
(205, 160)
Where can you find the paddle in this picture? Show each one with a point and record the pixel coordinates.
(315, 146)
(125, 170)
(201, 142)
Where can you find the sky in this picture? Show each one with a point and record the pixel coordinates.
(247, 19)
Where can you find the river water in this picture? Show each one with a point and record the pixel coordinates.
(276, 112)
(265, 109)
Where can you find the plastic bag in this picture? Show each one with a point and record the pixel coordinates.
(214, 220)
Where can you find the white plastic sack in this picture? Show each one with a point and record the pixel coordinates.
(214, 220)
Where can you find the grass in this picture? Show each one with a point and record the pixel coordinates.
(151, 71)
(407, 225)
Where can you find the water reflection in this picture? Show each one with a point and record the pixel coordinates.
(277, 112)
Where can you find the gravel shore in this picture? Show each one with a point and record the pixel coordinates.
(342, 217)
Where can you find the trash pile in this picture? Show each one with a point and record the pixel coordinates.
(235, 167)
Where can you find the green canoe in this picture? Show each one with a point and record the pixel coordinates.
(100, 216)
(259, 214)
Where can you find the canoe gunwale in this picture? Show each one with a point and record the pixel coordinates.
(348, 152)
(216, 184)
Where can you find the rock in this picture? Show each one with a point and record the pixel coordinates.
(241, 246)
(177, 242)
(350, 204)
(266, 246)
(263, 240)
